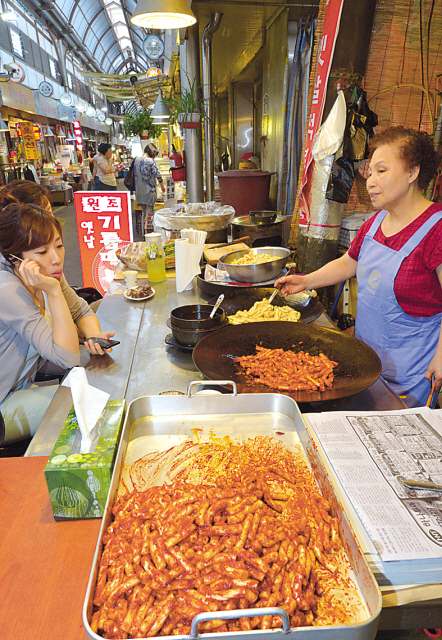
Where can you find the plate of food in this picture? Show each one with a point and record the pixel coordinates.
(305, 362)
(140, 293)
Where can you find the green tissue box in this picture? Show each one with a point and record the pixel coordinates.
(78, 483)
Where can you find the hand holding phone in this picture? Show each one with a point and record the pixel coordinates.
(104, 344)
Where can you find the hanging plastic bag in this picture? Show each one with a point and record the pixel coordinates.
(359, 128)
(329, 137)
(341, 180)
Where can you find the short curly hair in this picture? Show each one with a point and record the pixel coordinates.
(416, 149)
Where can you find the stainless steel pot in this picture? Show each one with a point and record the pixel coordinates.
(256, 272)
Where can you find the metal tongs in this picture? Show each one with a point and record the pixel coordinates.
(423, 486)
(290, 272)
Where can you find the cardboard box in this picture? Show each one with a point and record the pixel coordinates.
(78, 483)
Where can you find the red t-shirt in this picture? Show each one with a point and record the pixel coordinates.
(416, 286)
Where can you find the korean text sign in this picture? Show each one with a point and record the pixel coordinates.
(27, 132)
(104, 222)
(330, 31)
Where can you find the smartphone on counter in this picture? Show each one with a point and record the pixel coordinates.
(104, 344)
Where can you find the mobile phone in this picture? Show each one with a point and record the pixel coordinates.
(105, 344)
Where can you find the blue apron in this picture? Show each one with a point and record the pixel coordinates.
(405, 345)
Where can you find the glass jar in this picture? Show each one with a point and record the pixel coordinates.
(156, 266)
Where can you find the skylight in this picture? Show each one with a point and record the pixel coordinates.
(117, 19)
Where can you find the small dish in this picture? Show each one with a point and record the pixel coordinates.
(128, 297)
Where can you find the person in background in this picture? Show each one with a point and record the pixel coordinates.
(90, 159)
(146, 176)
(41, 317)
(95, 177)
(106, 169)
(397, 259)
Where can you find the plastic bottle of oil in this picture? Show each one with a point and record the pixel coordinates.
(156, 266)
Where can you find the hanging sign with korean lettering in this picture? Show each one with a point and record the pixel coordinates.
(104, 224)
(78, 139)
(27, 134)
(330, 31)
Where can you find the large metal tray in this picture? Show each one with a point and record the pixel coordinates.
(159, 422)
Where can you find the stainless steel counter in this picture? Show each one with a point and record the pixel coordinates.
(144, 365)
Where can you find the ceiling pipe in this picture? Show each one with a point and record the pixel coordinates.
(209, 30)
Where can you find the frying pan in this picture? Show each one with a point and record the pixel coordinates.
(359, 366)
(244, 299)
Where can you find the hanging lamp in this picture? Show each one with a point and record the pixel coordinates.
(49, 131)
(3, 125)
(160, 110)
(163, 14)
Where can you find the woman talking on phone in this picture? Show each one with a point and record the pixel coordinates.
(397, 259)
(41, 317)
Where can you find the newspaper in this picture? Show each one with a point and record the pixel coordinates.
(371, 454)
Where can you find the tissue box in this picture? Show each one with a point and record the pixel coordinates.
(78, 483)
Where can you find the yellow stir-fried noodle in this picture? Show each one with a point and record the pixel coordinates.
(255, 258)
(263, 311)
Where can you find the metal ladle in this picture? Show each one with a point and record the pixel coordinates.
(217, 303)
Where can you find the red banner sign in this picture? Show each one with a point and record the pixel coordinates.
(330, 31)
(104, 223)
(78, 139)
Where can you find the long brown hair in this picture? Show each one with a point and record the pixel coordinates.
(24, 227)
(24, 191)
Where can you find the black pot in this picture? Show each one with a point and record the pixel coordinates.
(191, 337)
(196, 317)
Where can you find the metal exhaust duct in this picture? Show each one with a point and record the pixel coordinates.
(210, 29)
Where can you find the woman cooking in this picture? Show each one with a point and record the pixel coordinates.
(41, 317)
(397, 259)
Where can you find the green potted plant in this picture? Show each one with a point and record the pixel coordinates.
(141, 124)
(188, 107)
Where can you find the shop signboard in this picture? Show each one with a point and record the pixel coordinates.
(18, 74)
(45, 106)
(37, 132)
(104, 223)
(64, 155)
(153, 47)
(78, 139)
(45, 89)
(66, 99)
(67, 114)
(27, 134)
(17, 97)
(330, 31)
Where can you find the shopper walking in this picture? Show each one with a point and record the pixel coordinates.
(146, 176)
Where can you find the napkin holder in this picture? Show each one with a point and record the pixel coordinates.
(78, 483)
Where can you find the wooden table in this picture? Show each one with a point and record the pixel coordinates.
(45, 565)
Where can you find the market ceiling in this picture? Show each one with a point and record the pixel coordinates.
(97, 31)
(101, 34)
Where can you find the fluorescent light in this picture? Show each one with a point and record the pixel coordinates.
(163, 14)
(9, 16)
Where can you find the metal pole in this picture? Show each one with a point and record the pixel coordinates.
(193, 143)
(210, 29)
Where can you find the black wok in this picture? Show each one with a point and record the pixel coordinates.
(358, 367)
(244, 299)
